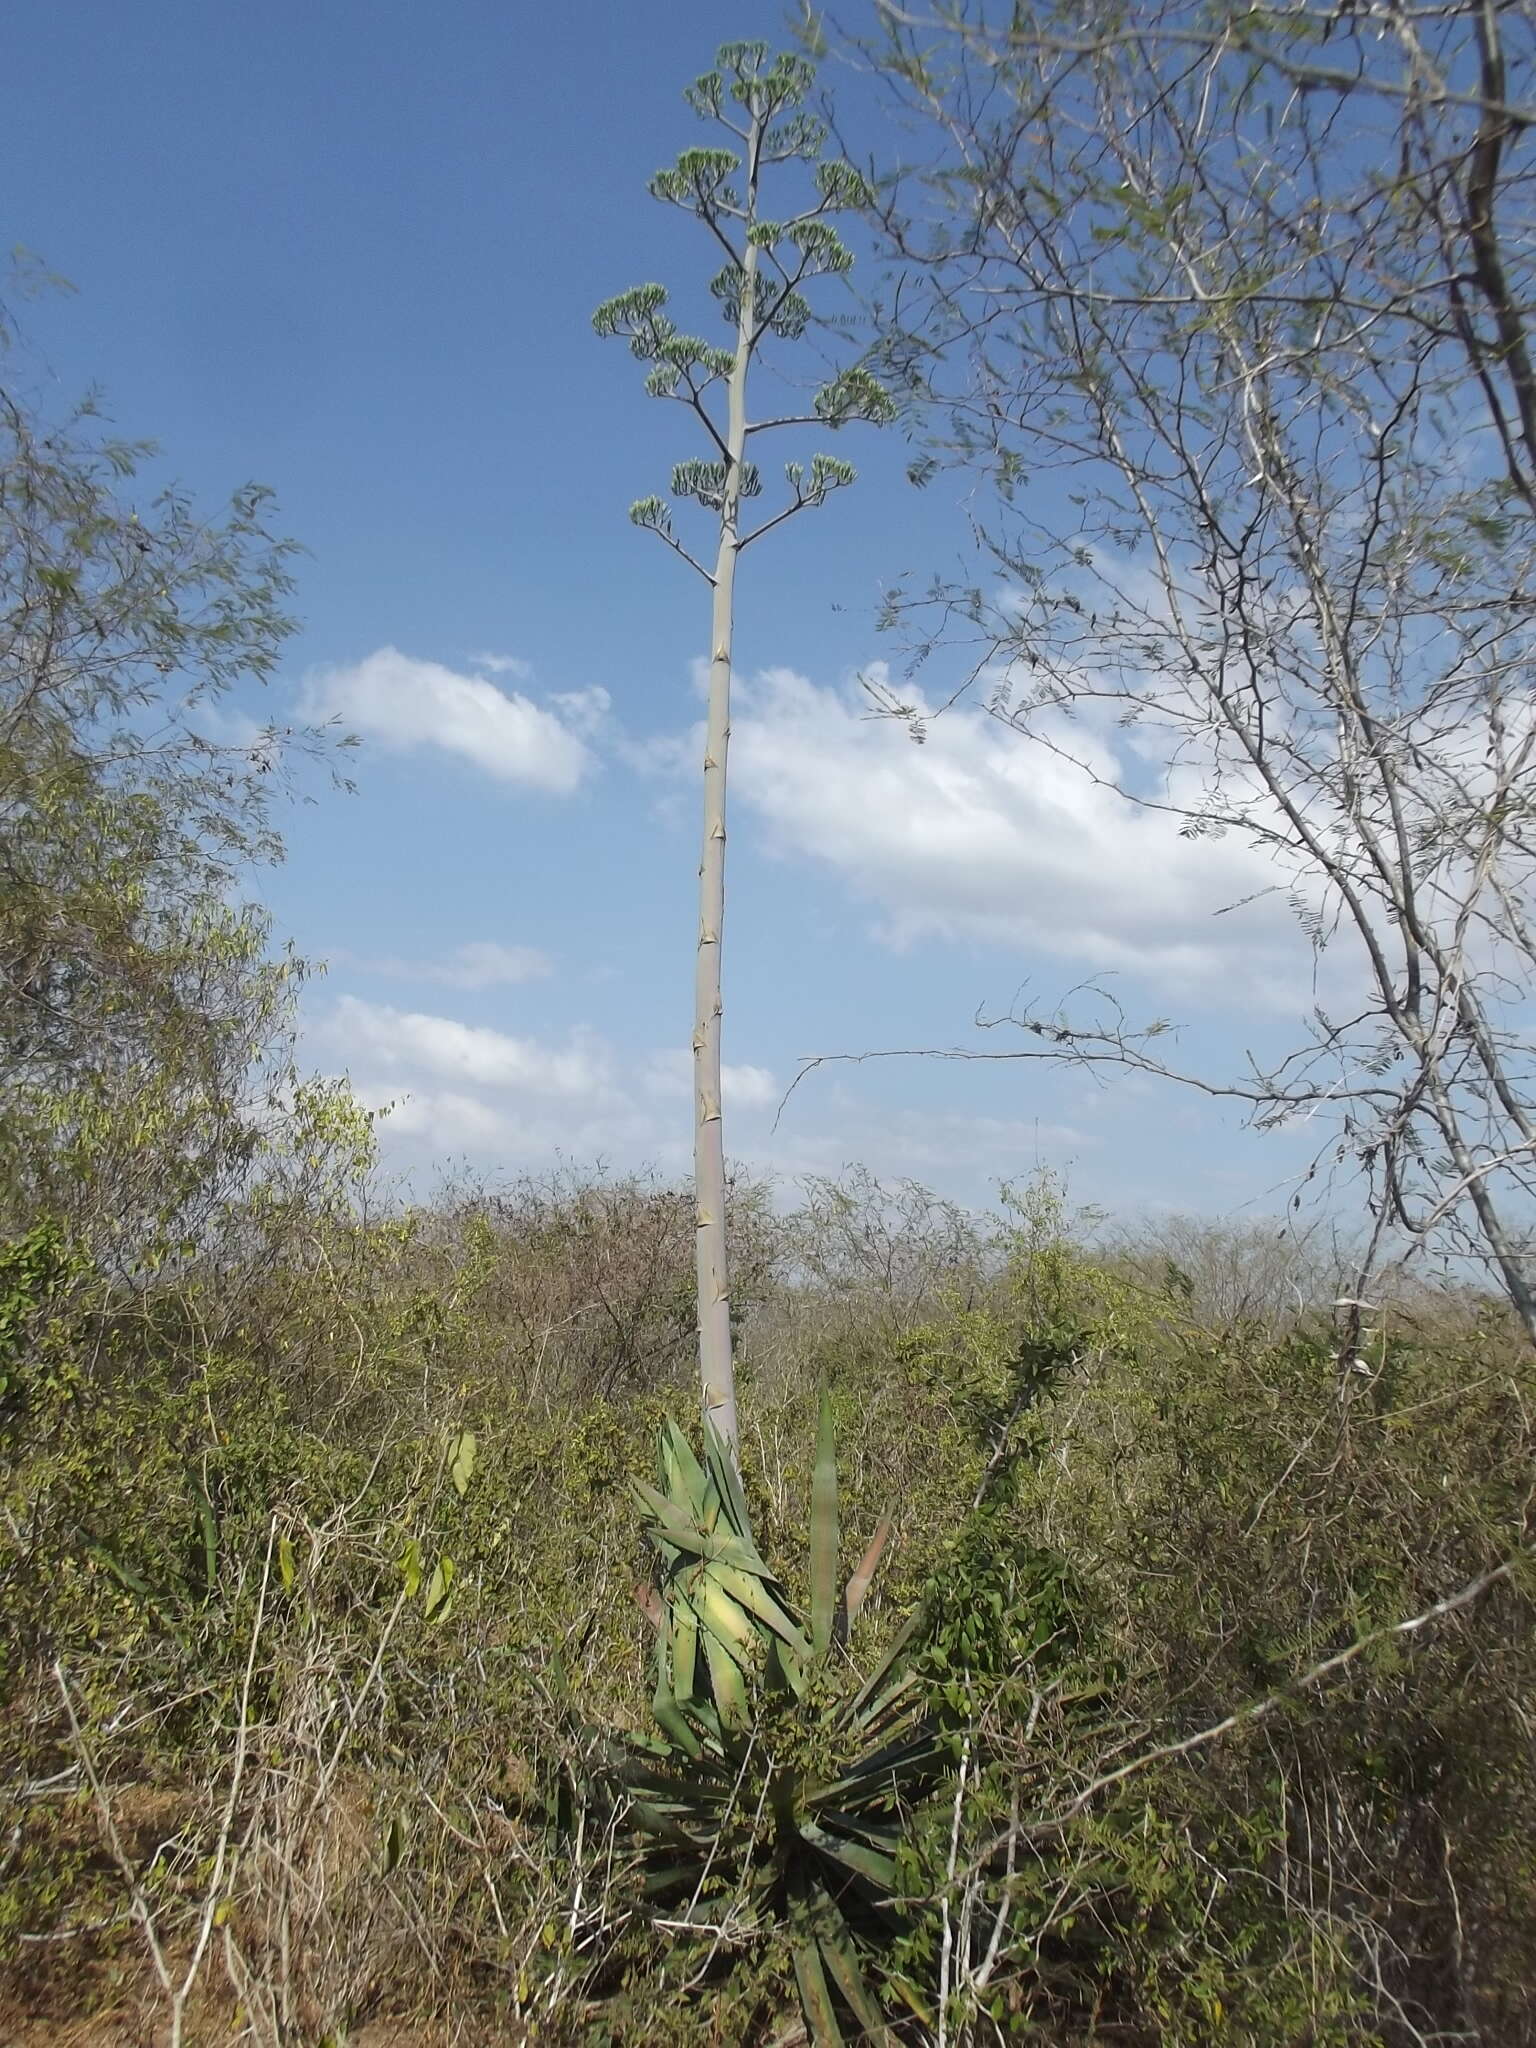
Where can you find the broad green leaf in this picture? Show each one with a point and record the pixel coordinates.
(439, 1594)
(722, 1469)
(461, 1461)
(684, 1648)
(872, 1865)
(810, 1972)
(841, 1958)
(727, 1684)
(823, 1530)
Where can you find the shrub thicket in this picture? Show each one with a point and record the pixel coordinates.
(317, 1545)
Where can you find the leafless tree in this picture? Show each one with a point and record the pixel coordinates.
(1255, 289)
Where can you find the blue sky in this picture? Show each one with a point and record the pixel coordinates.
(353, 252)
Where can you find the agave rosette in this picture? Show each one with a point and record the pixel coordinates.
(776, 1793)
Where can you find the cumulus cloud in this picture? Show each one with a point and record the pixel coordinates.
(482, 963)
(915, 1143)
(979, 834)
(445, 1119)
(670, 1075)
(449, 1090)
(423, 1125)
(403, 704)
(504, 665)
(376, 1035)
(584, 711)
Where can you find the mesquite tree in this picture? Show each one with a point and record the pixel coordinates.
(1256, 286)
(759, 101)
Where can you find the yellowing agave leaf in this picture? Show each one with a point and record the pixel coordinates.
(728, 1685)
(723, 1621)
(750, 1593)
(685, 1651)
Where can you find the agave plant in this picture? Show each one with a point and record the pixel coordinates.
(775, 1795)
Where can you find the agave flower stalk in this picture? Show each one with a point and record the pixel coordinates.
(758, 101)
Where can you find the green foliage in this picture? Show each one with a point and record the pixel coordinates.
(776, 1795)
(142, 1018)
(315, 1522)
(1175, 1527)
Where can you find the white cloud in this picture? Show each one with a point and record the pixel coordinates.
(504, 665)
(944, 1147)
(445, 1120)
(421, 1125)
(375, 1035)
(670, 1075)
(404, 703)
(480, 964)
(584, 711)
(980, 834)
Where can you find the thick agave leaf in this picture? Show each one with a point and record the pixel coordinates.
(702, 1716)
(683, 1651)
(893, 1773)
(872, 1865)
(685, 1480)
(671, 1877)
(728, 1684)
(896, 1717)
(701, 1783)
(824, 1531)
(810, 1971)
(722, 1470)
(890, 1672)
(671, 1718)
(842, 1963)
(728, 1551)
(882, 1835)
(656, 1820)
(751, 1593)
(718, 1614)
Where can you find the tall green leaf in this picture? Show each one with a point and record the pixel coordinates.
(824, 1530)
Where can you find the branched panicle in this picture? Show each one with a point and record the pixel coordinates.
(781, 253)
(705, 96)
(777, 308)
(652, 514)
(827, 473)
(700, 181)
(796, 136)
(705, 481)
(636, 317)
(683, 358)
(820, 249)
(763, 87)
